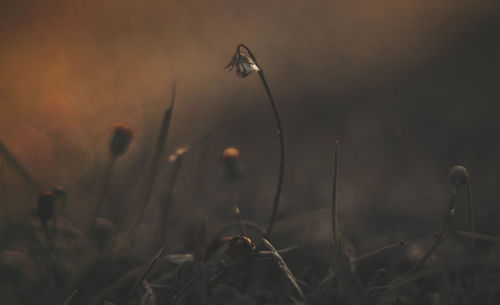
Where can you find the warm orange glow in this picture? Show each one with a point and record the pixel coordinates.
(230, 153)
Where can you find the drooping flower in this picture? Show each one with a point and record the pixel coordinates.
(243, 64)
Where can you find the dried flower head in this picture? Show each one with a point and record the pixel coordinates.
(458, 175)
(244, 64)
(46, 206)
(122, 136)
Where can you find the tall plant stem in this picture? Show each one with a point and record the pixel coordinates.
(281, 174)
(14, 162)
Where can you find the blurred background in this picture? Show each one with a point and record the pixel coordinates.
(409, 88)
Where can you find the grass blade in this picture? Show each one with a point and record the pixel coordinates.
(284, 268)
(151, 176)
(70, 297)
(23, 172)
(144, 274)
(479, 236)
(377, 252)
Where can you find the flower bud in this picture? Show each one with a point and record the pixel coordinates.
(243, 64)
(458, 175)
(121, 139)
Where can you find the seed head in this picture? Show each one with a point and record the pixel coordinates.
(122, 136)
(458, 175)
(242, 63)
(46, 206)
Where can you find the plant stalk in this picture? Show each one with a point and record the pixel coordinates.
(281, 174)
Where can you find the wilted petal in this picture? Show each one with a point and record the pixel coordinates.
(243, 64)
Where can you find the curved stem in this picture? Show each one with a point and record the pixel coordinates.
(281, 174)
(281, 137)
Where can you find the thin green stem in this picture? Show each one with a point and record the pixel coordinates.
(70, 297)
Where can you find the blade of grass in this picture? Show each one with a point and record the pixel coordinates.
(353, 292)
(145, 273)
(151, 176)
(211, 267)
(378, 252)
(284, 268)
(23, 172)
(479, 236)
(149, 296)
(70, 297)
